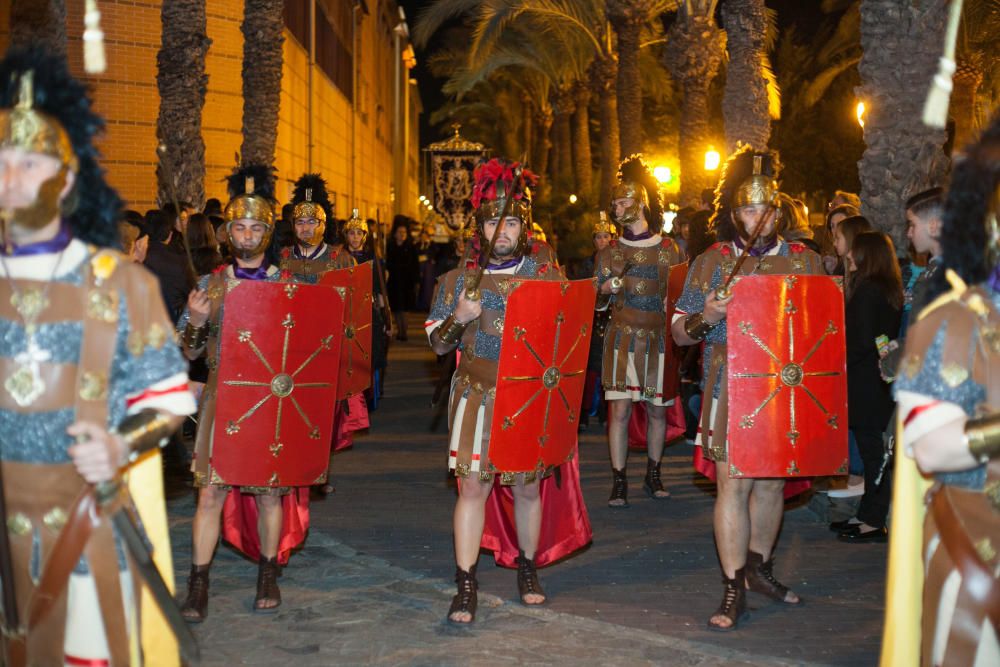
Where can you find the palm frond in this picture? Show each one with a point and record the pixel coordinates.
(773, 91)
(436, 14)
(821, 82)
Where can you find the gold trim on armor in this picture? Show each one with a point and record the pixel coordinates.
(55, 519)
(19, 524)
(93, 386)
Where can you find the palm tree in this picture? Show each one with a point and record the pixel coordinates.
(751, 97)
(603, 85)
(628, 18)
(262, 58)
(38, 22)
(181, 81)
(901, 42)
(696, 47)
(582, 166)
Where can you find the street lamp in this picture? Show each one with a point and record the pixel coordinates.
(661, 174)
(860, 112)
(712, 159)
(572, 199)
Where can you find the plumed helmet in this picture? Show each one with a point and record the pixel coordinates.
(636, 182)
(44, 109)
(748, 177)
(251, 192)
(494, 182)
(312, 201)
(356, 222)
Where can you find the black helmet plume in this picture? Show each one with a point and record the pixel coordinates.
(737, 169)
(263, 181)
(94, 217)
(317, 184)
(633, 169)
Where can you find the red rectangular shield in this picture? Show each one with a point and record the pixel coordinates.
(355, 286)
(542, 369)
(277, 383)
(787, 377)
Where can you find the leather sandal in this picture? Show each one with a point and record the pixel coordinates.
(467, 598)
(619, 489)
(734, 603)
(527, 579)
(267, 586)
(760, 579)
(195, 607)
(652, 484)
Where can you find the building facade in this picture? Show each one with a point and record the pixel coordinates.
(339, 90)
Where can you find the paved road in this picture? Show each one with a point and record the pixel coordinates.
(373, 583)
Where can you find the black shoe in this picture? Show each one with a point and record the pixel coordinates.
(527, 579)
(841, 526)
(879, 535)
(619, 489)
(467, 597)
(652, 484)
(734, 602)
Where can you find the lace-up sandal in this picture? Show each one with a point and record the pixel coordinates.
(619, 489)
(760, 579)
(527, 579)
(467, 598)
(267, 586)
(195, 607)
(734, 603)
(652, 484)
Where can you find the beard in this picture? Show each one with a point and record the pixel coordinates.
(44, 209)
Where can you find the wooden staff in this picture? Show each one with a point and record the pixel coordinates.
(723, 292)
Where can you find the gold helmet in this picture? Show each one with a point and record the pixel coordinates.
(249, 187)
(356, 222)
(757, 188)
(636, 182)
(34, 131)
(311, 201)
(604, 226)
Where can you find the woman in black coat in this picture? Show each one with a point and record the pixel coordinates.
(404, 276)
(874, 308)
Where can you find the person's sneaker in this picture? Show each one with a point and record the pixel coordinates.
(855, 487)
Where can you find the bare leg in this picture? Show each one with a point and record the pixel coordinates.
(269, 518)
(767, 503)
(732, 526)
(619, 411)
(528, 520)
(206, 525)
(656, 429)
(470, 514)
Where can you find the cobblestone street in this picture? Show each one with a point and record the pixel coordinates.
(373, 582)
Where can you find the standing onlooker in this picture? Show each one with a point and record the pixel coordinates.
(844, 235)
(923, 228)
(203, 244)
(167, 259)
(874, 307)
(425, 260)
(843, 198)
(404, 273)
(834, 263)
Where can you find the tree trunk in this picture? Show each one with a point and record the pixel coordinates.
(628, 28)
(181, 81)
(262, 57)
(695, 49)
(582, 168)
(901, 42)
(527, 127)
(604, 74)
(745, 103)
(39, 22)
(562, 138)
(541, 146)
(962, 109)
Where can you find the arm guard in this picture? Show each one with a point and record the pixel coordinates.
(143, 431)
(194, 338)
(696, 327)
(450, 332)
(983, 437)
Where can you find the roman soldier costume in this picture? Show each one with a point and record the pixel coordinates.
(308, 258)
(474, 389)
(250, 188)
(380, 339)
(748, 180)
(637, 266)
(950, 374)
(86, 339)
(593, 399)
